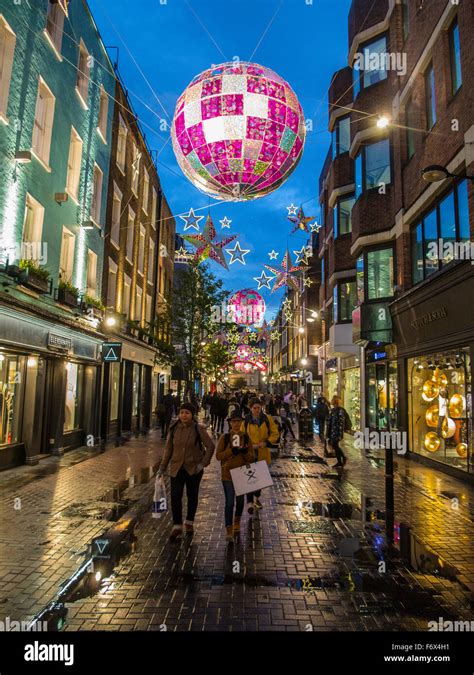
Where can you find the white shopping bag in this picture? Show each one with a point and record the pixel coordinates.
(254, 476)
(160, 500)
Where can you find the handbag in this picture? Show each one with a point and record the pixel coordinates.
(160, 500)
(251, 477)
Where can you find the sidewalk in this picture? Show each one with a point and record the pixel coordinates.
(292, 569)
(50, 513)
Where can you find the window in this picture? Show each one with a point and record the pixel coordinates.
(380, 271)
(32, 229)
(74, 394)
(410, 114)
(111, 283)
(151, 260)
(74, 165)
(405, 19)
(372, 61)
(430, 98)
(434, 238)
(55, 26)
(127, 282)
(130, 231)
(96, 201)
(148, 308)
(116, 213)
(11, 399)
(347, 300)
(146, 190)
(141, 249)
(138, 303)
(43, 124)
(91, 289)
(7, 51)
(455, 57)
(122, 144)
(83, 74)
(103, 113)
(66, 261)
(343, 224)
(373, 166)
(341, 136)
(136, 157)
(154, 202)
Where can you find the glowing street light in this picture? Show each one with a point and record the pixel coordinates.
(383, 121)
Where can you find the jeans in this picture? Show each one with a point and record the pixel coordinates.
(220, 424)
(165, 425)
(192, 483)
(287, 428)
(230, 497)
(338, 450)
(321, 427)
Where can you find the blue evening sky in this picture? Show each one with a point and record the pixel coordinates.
(164, 43)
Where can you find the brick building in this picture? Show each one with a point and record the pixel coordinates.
(404, 104)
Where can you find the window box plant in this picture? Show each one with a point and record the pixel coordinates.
(92, 306)
(67, 293)
(34, 276)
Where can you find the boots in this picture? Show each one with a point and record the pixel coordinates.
(236, 524)
(229, 533)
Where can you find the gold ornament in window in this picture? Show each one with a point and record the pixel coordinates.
(461, 449)
(457, 405)
(432, 441)
(432, 416)
(448, 428)
(430, 390)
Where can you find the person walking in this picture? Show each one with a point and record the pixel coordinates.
(221, 414)
(336, 428)
(168, 410)
(285, 423)
(261, 430)
(214, 408)
(234, 449)
(321, 413)
(188, 451)
(292, 407)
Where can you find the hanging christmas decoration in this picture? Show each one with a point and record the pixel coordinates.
(191, 220)
(208, 245)
(263, 280)
(237, 254)
(238, 131)
(301, 221)
(273, 255)
(301, 256)
(225, 222)
(247, 307)
(285, 275)
(292, 210)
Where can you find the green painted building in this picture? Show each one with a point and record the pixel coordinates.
(56, 110)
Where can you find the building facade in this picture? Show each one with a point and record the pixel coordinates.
(402, 152)
(56, 109)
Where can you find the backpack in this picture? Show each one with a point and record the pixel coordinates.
(198, 440)
(347, 421)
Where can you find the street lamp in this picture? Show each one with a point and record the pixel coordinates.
(301, 330)
(435, 173)
(304, 362)
(383, 121)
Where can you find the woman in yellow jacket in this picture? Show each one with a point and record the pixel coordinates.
(261, 430)
(233, 450)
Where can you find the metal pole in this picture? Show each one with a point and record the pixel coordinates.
(389, 496)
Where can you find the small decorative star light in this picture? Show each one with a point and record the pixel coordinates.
(263, 280)
(182, 252)
(292, 210)
(287, 303)
(315, 227)
(275, 335)
(237, 254)
(191, 220)
(301, 221)
(273, 255)
(288, 314)
(301, 256)
(225, 222)
(308, 282)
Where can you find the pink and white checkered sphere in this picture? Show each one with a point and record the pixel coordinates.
(238, 131)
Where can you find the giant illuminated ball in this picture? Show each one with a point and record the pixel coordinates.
(247, 307)
(238, 131)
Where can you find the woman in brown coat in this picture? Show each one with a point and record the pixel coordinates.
(188, 450)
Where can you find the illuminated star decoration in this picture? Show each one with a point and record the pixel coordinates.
(208, 245)
(285, 275)
(273, 255)
(288, 314)
(315, 227)
(301, 221)
(308, 282)
(287, 303)
(182, 252)
(301, 256)
(263, 280)
(225, 222)
(292, 210)
(237, 253)
(275, 335)
(191, 220)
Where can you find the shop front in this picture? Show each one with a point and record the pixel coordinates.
(381, 388)
(434, 329)
(351, 389)
(49, 384)
(331, 380)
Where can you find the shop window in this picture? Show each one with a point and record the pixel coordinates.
(43, 123)
(382, 396)
(430, 97)
(341, 136)
(74, 395)
(440, 407)
(11, 377)
(455, 57)
(347, 300)
(7, 51)
(343, 223)
(114, 391)
(351, 398)
(380, 271)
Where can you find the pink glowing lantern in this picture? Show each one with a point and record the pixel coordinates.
(238, 131)
(247, 307)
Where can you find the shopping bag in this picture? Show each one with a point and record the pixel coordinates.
(160, 500)
(254, 476)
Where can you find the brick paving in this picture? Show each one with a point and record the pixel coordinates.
(292, 570)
